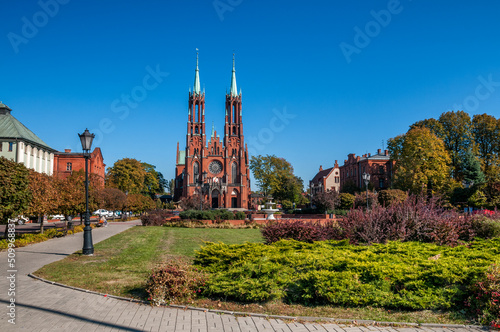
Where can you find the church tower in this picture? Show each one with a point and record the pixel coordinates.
(218, 171)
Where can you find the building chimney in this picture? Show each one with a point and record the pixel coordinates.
(369, 155)
(320, 168)
(379, 151)
(386, 152)
(67, 150)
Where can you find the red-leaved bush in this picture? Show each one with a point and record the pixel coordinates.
(174, 281)
(155, 217)
(415, 219)
(484, 302)
(301, 230)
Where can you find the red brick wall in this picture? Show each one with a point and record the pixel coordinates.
(77, 160)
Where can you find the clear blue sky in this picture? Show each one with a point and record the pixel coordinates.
(348, 91)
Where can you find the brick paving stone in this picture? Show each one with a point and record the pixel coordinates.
(154, 319)
(279, 326)
(298, 327)
(168, 320)
(246, 324)
(230, 323)
(183, 322)
(214, 322)
(262, 324)
(199, 321)
(314, 327)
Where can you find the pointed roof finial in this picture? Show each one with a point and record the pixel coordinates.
(196, 88)
(213, 130)
(234, 90)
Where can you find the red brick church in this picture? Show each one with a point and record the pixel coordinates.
(218, 169)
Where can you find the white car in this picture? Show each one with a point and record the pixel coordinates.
(103, 212)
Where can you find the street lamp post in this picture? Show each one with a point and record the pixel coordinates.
(366, 178)
(202, 182)
(86, 139)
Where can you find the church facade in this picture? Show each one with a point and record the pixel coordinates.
(217, 170)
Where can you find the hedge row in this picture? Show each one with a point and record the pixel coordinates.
(23, 240)
(212, 215)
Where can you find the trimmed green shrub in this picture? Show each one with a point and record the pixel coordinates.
(397, 275)
(346, 201)
(240, 215)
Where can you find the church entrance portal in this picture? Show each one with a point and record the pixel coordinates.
(215, 199)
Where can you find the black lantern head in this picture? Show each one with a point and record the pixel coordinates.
(86, 138)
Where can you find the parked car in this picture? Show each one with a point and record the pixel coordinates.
(57, 216)
(103, 212)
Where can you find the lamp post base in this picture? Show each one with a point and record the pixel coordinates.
(88, 247)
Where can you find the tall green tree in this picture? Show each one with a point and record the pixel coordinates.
(14, 189)
(471, 168)
(457, 138)
(486, 133)
(162, 183)
(432, 124)
(421, 161)
(151, 180)
(274, 176)
(128, 175)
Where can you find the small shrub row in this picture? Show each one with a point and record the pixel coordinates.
(212, 215)
(200, 224)
(174, 281)
(23, 240)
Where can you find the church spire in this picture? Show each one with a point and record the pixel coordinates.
(234, 90)
(196, 88)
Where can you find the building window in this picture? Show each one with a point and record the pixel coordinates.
(69, 166)
(11, 146)
(234, 173)
(381, 183)
(381, 169)
(196, 172)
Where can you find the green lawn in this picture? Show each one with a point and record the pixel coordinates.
(121, 264)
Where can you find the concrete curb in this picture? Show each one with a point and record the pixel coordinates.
(281, 317)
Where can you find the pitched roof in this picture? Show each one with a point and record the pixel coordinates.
(12, 128)
(321, 174)
(378, 156)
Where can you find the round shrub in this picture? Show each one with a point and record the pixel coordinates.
(174, 281)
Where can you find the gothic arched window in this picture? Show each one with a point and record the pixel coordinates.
(196, 171)
(234, 173)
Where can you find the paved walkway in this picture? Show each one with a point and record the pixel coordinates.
(40, 306)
